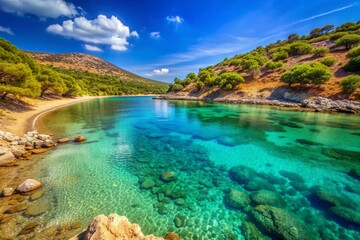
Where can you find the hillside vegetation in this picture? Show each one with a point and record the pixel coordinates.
(71, 74)
(324, 63)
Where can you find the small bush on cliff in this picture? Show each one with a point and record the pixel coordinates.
(177, 87)
(229, 79)
(306, 73)
(350, 83)
(328, 61)
(320, 52)
(300, 48)
(281, 55)
(355, 52)
(273, 65)
(348, 41)
(353, 65)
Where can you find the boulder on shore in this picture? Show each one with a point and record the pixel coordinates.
(7, 158)
(28, 185)
(113, 227)
(7, 192)
(63, 140)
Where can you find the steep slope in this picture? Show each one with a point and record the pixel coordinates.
(86, 62)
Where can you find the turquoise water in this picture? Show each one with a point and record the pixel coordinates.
(131, 141)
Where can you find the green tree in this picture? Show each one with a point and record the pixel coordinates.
(316, 32)
(326, 29)
(231, 78)
(281, 55)
(348, 41)
(177, 87)
(17, 79)
(293, 37)
(306, 73)
(350, 83)
(300, 48)
(273, 65)
(50, 79)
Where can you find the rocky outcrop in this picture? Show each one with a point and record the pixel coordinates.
(287, 100)
(113, 227)
(28, 186)
(237, 199)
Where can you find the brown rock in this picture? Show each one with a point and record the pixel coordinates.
(64, 140)
(7, 192)
(18, 198)
(28, 148)
(39, 150)
(7, 158)
(171, 236)
(79, 138)
(29, 228)
(36, 195)
(16, 208)
(28, 185)
(6, 218)
(37, 209)
(113, 227)
(13, 202)
(19, 153)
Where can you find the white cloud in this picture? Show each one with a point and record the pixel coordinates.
(92, 48)
(174, 19)
(162, 71)
(6, 30)
(134, 34)
(102, 30)
(155, 35)
(40, 8)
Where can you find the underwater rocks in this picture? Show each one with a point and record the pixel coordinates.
(250, 232)
(171, 236)
(347, 214)
(179, 221)
(113, 227)
(280, 223)
(28, 185)
(242, 174)
(265, 197)
(355, 173)
(168, 176)
(237, 199)
(292, 176)
(148, 183)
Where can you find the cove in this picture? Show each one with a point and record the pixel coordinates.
(295, 162)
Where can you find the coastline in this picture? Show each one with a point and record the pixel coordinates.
(316, 104)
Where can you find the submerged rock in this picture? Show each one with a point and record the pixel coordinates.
(265, 197)
(168, 176)
(279, 223)
(179, 220)
(355, 173)
(7, 192)
(28, 185)
(292, 176)
(36, 195)
(237, 199)
(242, 174)
(63, 140)
(250, 232)
(29, 228)
(37, 209)
(79, 138)
(347, 214)
(113, 227)
(171, 236)
(16, 208)
(148, 183)
(259, 183)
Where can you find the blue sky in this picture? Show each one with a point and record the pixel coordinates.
(163, 39)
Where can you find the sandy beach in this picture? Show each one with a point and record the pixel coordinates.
(19, 122)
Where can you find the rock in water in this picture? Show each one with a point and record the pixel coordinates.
(113, 227)
(171, 236)
(265, 197)
(347, 214)
(79, 138)
(28, 185)
(6, 158)
(64, 140)
(168, 176)
(279, 223)
(237, 199)
(242, 174)
(148, 183)
(7, 192)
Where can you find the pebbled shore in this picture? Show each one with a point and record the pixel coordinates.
(317, 104)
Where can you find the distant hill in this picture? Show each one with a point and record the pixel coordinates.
(88, 63)
(325, 63)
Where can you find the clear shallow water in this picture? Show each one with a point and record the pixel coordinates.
(135, 139)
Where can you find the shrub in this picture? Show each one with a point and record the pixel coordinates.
(348, 41)
(228, 87)
(328, 61)
(199, 85)
(234, 62)
(353, 65)
(319, 39)
(177, 87)
(350, 83)
(320, 52)
(305, 73)
(355, 52)
(336, 36)
(300, 48)
(227, 78)
(281, 55)
(273, 65)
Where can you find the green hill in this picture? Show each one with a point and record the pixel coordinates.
(71, 74)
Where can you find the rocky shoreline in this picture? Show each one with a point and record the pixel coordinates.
(317, 104)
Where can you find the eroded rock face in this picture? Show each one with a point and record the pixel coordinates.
(113, 227)
(28, 185)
